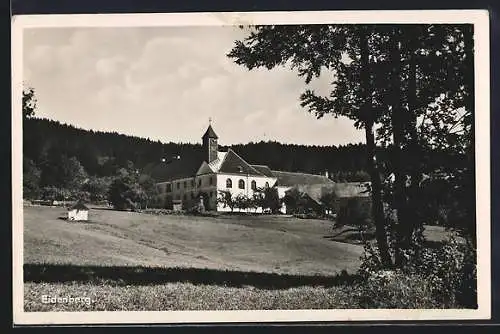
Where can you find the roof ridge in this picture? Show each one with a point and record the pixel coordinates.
(230, 149)
(223, 159)
(302, 173)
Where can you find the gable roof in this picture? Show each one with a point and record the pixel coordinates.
(292, 179)
(204, 169)
(233, 163)
(341, 190)
(78, 206)
(215, 165)
(210, 133)
(177, 169)
(265, 170)
(352, 189)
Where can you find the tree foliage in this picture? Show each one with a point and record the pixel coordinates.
(29, 102)
(412, 83)
(125, 191)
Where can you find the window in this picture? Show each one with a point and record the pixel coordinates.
(199, 182)
(253, 185)
(211, 180)
(192, 183)
(267, 184)
(169, 187)
(178, 185)
(229, 183)
(185, 184)
(241, 184)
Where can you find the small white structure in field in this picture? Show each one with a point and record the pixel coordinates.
(78, 212)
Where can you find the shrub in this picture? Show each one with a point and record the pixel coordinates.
(447, 274)
(451, 270)
(357, 212)
(395, 289)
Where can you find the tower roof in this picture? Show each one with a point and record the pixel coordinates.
(210, 133)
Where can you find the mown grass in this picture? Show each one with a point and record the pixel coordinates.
(245, 243)
(140, 262)
(399, 292)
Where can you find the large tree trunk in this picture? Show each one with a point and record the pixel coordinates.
(376, 195)
(398, 130)
(413, 152)
(376, 184)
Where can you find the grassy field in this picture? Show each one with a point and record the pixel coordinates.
(183, 296)
(258, 243)
(134, 261)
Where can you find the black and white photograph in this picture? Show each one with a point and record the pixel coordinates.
(240, 167)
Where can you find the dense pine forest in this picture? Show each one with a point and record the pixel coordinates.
(57, 155)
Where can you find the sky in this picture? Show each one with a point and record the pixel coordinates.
(165, 83)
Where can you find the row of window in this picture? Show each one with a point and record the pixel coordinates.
(211, 181)
(185, 184)
(241, 184)
(185, 197)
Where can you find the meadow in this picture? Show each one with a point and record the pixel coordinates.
(138, 261)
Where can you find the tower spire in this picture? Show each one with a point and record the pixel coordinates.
(210, 142)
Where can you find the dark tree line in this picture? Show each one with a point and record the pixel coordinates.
(101, 154)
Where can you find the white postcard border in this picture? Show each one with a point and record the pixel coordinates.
(479, 18)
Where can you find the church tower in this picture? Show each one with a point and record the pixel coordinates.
(210, 145)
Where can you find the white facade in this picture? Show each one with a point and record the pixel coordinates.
(220, 171)
(242, 185)
(78, 215)
(188, 189)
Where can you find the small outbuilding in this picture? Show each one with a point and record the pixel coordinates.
(78, 212)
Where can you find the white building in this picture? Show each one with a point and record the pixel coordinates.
(186, 179)
(78, 212)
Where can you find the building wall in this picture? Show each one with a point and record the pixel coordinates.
(188, 189)
(235, 190)
(78, 215)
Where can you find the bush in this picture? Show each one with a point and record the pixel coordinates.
(447, 274)
(357, 212)
(451, 270)
(395, 289)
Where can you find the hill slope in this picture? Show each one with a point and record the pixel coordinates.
(260, 244)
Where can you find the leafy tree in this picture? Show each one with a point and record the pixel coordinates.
(330, 201)
(388, 75)
(29, 102)
(226, 199)
(125, 191)
(296, 201)
(311, 49)
(148, 184)
(272, 200)
(268, 198)
(241, 202)
(31, 179)
(61, 171)
(97, 187)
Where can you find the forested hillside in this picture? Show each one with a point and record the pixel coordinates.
(61, 156)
